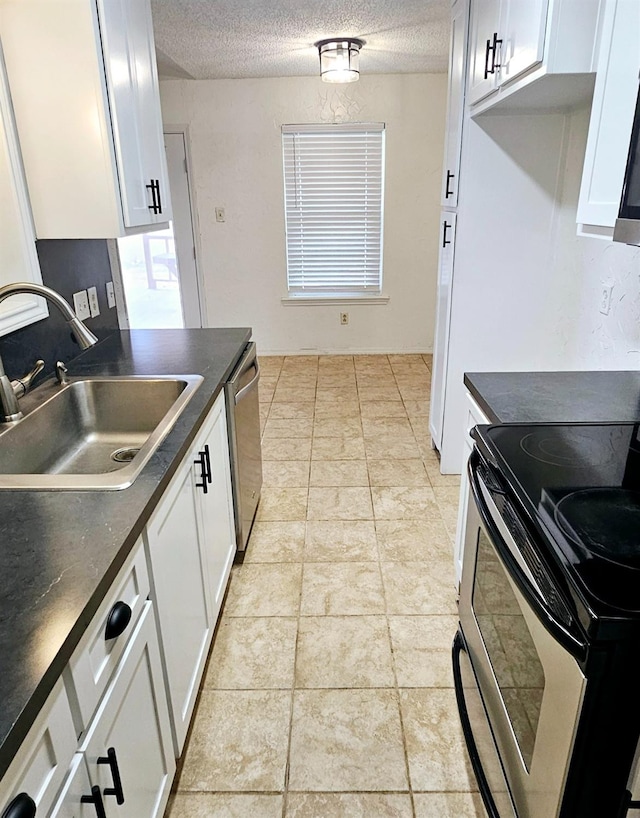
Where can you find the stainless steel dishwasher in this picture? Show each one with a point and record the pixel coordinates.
(243, 420)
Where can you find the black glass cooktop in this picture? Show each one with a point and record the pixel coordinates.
(581, 482)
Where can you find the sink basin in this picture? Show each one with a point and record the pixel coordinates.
(93, 433)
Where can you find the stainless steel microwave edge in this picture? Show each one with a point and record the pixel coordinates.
(627, 226)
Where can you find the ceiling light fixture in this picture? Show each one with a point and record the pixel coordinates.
(339, 59)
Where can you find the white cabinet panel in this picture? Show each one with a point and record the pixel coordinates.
(86, 116)
(18, 258)
(475, 416)
(455, 101)
(614, 100)
(180, 590)
(443, 315)
(216, 506)
(133, 722)
(76, 787)
(485, 23)
(41, 764)
(523, 37)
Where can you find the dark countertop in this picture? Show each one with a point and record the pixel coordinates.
(61, 550)
(556, 397)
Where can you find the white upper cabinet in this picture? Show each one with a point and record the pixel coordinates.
(485, 23)
(531, 54)
(523, 35)
(18, 258)
(614, 100)
(84, 85)
(455, 104)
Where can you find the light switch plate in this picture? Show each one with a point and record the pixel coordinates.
(92, 292)
(111, 295)
(220, 215)
(81, 305)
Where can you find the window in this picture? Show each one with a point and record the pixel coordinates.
(334, 192)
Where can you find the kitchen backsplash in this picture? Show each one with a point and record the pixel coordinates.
(67, 265)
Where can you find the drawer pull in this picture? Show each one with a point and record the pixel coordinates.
(22, 806)
(112, 761)
(96, 799)
(117, 621)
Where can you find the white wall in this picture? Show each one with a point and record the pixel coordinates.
(234, 128)
(526, 287)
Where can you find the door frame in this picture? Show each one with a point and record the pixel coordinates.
(195, 223)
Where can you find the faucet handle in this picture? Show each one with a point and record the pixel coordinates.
(61, 373)
(22, 385)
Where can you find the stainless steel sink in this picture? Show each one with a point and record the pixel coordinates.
(93, 433)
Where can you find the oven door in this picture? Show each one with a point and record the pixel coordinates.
(522, 653)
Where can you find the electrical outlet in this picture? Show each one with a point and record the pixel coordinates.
(344, 317)
(605, 298)
(111, 295)
(81, 305)
(219, 214)
(92, 292)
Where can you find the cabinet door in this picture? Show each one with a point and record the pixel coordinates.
(132, 82)
(485, 21)
(216, 506)
(181, 594)
(523, 34)
(614, 100)
(18, 258)
(76, 786)
(443, 315)
(455, 103)
(133, 720)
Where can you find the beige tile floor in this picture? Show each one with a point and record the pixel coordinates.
(329, 691)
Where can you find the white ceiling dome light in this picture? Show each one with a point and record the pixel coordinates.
(339, 59)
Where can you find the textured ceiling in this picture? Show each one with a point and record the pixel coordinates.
(216, 39)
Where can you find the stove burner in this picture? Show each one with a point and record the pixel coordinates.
(564, 447)
(605, 521)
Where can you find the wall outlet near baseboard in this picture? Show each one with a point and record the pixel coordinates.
(344, 317)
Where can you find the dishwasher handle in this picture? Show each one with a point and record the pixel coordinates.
(248, 360)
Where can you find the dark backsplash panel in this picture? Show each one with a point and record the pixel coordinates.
(67, 265)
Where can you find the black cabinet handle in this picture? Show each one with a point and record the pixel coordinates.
(112, 760)
(22, 806)
(154, 187)
(492, 48)
(117, 621)
(205, 474)
(96, 799)
(448, 192)
(445, 226)
(207, 458)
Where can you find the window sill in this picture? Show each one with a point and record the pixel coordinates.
(324, 300)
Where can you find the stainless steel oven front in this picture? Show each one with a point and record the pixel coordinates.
(522, 651)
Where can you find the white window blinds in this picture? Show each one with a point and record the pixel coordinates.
(334, 190)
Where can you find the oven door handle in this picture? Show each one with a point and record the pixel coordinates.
(474, 755)
(568, 639)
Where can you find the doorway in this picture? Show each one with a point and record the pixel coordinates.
(159, 271)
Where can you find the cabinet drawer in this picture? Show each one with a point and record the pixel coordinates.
(97, 656)
(43, 760)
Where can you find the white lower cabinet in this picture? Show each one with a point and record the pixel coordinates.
(128, 747)
(191, 542)
(104, 745)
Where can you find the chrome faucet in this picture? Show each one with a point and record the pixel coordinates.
(11, 391)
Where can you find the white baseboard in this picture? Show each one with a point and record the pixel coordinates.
(375, 351)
